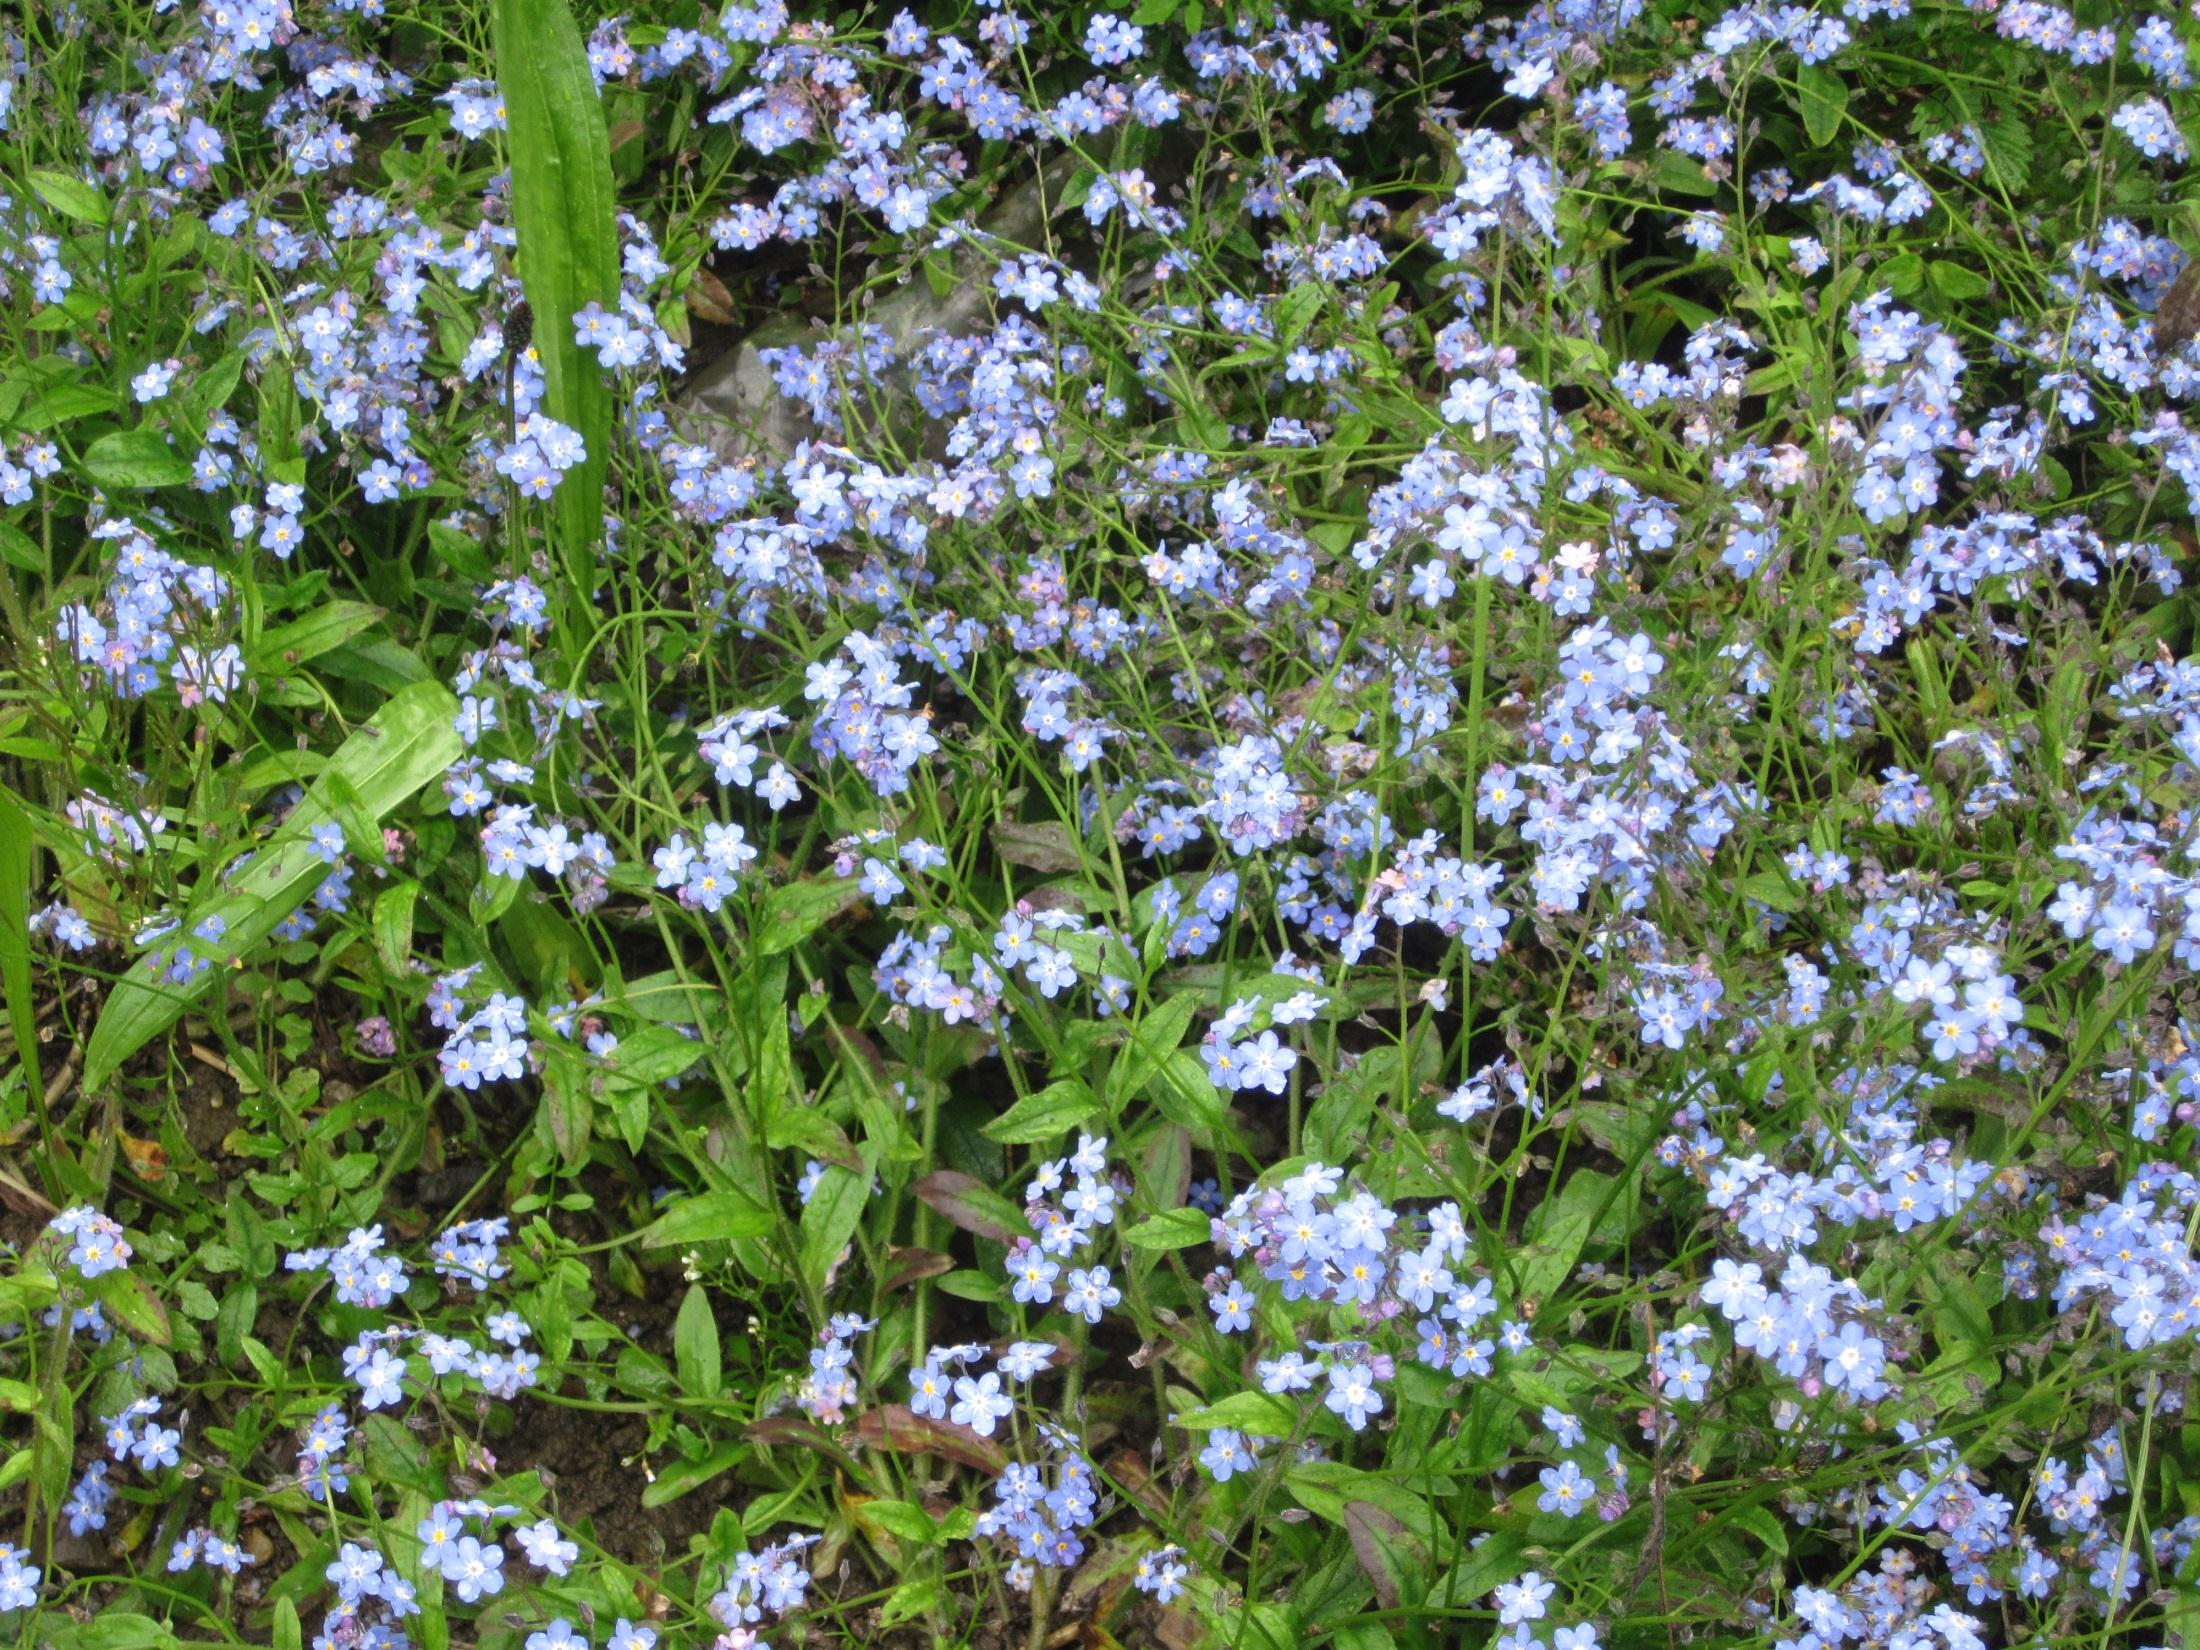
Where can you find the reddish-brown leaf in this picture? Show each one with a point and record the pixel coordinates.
(797, 1432)
(971, 1204)
(911, 1264)
(899, 1428)
(2177, 317)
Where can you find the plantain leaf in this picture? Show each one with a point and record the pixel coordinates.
(409, 742)
(563, 210)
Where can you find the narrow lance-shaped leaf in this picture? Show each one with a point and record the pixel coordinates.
(563, 211)
(15, 950)
(409, 742)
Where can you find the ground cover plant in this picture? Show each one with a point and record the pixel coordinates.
(1397, 848)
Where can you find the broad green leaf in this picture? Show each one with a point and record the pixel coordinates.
(678, 1478)
(714, 1217)
(1824, 97)
(18, 549)
(1760, 1523)
(115, 1630)
(70, 196)
(327, 627)
(135, 459)
(216, 384)
(1326, 1488)
(830, 1218)
(1295, 311)
(695, 1352)
(130, 1301)
(1173, 1229)
(1184, 1093)
(1559, 1230)
(651, 1055)
(565, 214)
(1499, 1558)
(903, 1520)
(393, 925)
(1904, 273)
(1772, 888)
(1052, 1111)
(1262, 1414)
(53, 404)
(912, 1599)
(1954, 281)
(794, 912)
(409, 742)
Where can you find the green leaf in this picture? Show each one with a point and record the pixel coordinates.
(1153, 1040)
(1171, 1229)
(714, 1217)
(127, 459)
(18, 550)
(695, 1346)
(903, 1520)
(1770, 1533)
(117, 1630)
(326, 628)
(130, 1301)
(48, 405)
(1674, 171)
(15, 948)
(215, 385)
(72, 197)
(409, 742)
(794, 912)
(1499, 1558)
(1904, 273)
(1560, 1229)
(830, 1218)
(971, 1286)
(1772, 888)
(393, 925)
(1953, 281)
(1295, 312)
(682, 1477)
(1263, 1414)
(565, 214)
(652, 1055)
(1824, 97)
(1185, 1094)
(1052, 1111)
(912, 1599)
